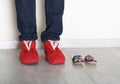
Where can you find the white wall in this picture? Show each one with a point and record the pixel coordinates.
(83, 19)
(92, 19)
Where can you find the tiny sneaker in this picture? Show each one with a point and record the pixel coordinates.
(28, 53)
(53, 54)
(90, 59)
(77, 59)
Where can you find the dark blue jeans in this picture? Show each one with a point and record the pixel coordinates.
(26, 19)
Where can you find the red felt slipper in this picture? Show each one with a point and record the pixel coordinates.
(28, 54)
(53, 54)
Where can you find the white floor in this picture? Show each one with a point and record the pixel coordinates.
(107, 70)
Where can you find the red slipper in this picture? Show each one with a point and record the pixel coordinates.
(53, 55)
(28, 54)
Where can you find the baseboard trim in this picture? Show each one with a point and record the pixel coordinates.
(90, 43)
(69, 43)
(9, 44)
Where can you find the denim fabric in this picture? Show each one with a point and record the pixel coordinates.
(26, 19)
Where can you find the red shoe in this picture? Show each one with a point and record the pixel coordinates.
(28, 54)
(53, 55)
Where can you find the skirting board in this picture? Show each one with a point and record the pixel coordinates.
(69, 43)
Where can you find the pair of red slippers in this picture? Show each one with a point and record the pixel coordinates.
(29, 54)
(78, 59)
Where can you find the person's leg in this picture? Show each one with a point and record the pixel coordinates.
(26, 21)
(54, 27)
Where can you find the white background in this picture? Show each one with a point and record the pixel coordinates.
(83, 19)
